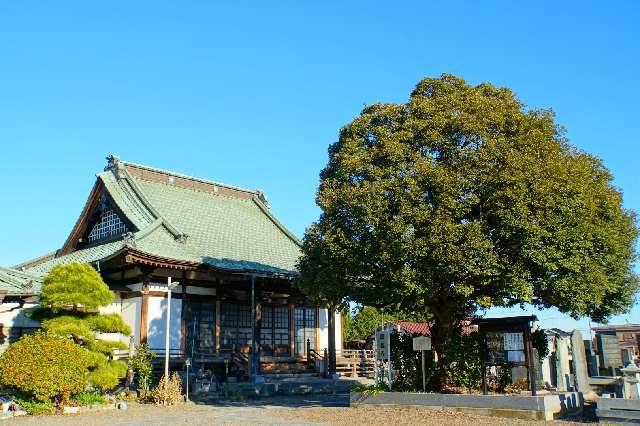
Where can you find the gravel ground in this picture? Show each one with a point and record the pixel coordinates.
(273, 412)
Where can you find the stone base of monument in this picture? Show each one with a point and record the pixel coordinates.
(618, 410)
(541, 407)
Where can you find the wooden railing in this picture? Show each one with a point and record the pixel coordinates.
(355, 362)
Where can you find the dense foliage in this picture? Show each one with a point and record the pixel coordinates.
(45, 366)
(140, 364)
(461, 199)
(70, 300)
(364, 322)
(461, 351)
(540, 343)
(74, 286)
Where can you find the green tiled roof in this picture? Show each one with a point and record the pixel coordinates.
(13, 282)
(231, 229)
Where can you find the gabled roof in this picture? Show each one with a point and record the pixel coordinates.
(18, 283)
(422, 328)
(185, 220)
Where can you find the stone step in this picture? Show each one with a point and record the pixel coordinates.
(280, 376)
(311, 386)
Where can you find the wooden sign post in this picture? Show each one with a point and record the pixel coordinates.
(422, 344)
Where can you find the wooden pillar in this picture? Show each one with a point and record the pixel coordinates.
(256, 305)
(292, 330)
(144, 308)
(332, 342)
(528, 353)
(183, 324)
(218, 329)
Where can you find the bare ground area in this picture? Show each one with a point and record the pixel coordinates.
(273, 413)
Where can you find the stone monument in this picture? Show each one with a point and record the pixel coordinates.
(580, 367)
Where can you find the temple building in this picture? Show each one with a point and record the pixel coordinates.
(234, 262)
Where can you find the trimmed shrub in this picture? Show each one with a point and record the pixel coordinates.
(73, 286)
(44, 366)
(107, 375)
(71, 297)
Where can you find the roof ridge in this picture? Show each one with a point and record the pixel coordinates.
(33, 262)
(113, 160)
(152, 209)
(258, 200)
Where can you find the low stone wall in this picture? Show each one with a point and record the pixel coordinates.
(543, 407)
(618, 410)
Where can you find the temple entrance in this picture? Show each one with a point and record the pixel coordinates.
(236, 327)
(274, 334)
(200, 329)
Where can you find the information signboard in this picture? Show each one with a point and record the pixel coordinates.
(422, 343)
(513, 342)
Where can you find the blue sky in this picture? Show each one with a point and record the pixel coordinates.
(253, 95)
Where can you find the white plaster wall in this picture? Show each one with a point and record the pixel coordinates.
(323, 322)
(338, 331)
(156, 326)
(130, 311)
(115, 307)
(11, 315)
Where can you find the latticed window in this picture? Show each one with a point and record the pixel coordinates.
(274, 335)
(109, 225)
(236, 322)
(200, 323)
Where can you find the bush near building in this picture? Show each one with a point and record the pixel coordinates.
(70, 301)
(45, 366)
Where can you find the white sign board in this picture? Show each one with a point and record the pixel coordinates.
(422, 343)
(384, 345)
(513, 342)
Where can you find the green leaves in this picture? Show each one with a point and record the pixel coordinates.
(71, 297)
(45, 366)
(460, 199)
(74, 286)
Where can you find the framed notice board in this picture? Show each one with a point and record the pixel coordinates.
(507, 342)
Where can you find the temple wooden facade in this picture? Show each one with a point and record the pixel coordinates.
(233, 260)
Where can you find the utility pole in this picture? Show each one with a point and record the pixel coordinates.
(167, 342)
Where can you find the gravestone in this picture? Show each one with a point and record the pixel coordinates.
(609, 348)
(563, 371)
(579, 362)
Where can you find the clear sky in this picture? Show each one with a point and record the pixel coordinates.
(253, 95)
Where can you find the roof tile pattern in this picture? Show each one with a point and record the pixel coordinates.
(190, 223)
(13, 282)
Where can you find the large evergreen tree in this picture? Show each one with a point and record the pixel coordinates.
(461, 199)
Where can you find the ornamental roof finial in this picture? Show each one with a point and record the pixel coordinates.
(112, 163)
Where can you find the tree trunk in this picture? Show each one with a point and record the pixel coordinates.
(441, 333)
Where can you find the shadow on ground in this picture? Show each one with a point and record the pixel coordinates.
(292, 401)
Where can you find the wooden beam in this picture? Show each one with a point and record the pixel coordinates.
(218, 328)
(292, 330)
(144, 309)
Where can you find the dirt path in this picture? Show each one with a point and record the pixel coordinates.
(296, 414)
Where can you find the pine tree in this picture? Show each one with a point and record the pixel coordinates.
(70, 301)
